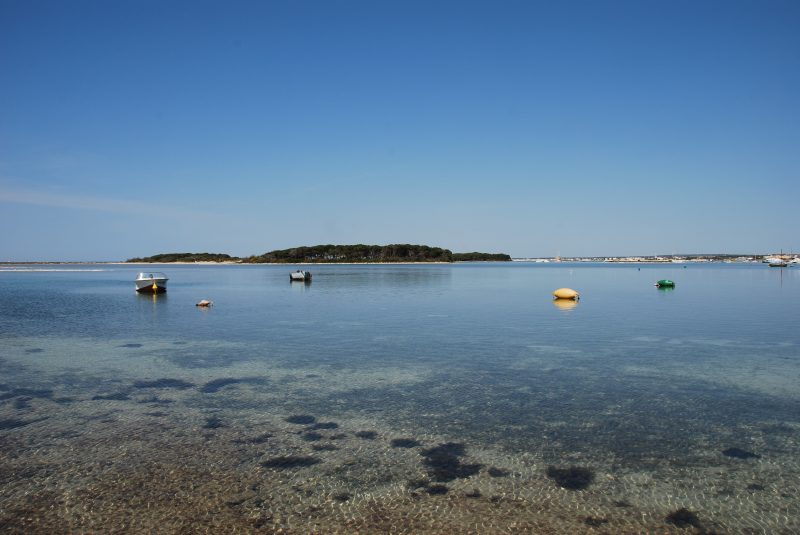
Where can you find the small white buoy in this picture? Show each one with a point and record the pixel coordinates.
(204, 303)
(566, 293)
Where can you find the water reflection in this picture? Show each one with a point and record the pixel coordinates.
(372, 276)
(565, 304)
(151, 300)
(301, 286)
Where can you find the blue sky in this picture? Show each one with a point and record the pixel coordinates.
(533, 128)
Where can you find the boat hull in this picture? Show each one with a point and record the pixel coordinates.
(304, 276)
(149, 287)
(154, 285)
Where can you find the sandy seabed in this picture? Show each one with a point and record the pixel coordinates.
(160, 438)
(140, 465)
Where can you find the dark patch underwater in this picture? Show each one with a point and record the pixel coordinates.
(164, 383)
(286, 462)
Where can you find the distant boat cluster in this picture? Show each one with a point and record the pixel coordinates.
(778, 260)
(781, 261)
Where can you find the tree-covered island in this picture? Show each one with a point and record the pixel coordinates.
(354, 254)
(166, 258)
(343, 254)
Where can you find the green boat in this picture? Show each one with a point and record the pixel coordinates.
(665, 283)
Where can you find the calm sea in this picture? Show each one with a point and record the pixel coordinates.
(401, 399)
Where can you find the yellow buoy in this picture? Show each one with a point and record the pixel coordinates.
(566, 293)
(155, 287)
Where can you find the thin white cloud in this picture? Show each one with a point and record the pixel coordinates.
(99, 204)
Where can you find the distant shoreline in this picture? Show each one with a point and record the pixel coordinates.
(743, 259)
(271, 263)
(120, 263)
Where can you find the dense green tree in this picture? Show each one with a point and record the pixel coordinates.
(481, 257)
(359, 253)
(164, 258)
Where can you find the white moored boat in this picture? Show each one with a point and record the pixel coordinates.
(300, 276)
(152, 282)
(776, 261)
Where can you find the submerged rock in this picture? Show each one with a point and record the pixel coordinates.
(13, 423)
(683, 518)
(444, 463)
(116, 396)
(738, 453)
(29, 392)
(164, 383)
(437, 489)
(498, 472)
(571, 478)
(215, 385)
(213, 422)
(301, 419)
(156, 400)
(404, 443)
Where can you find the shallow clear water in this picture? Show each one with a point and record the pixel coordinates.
(429, 398)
